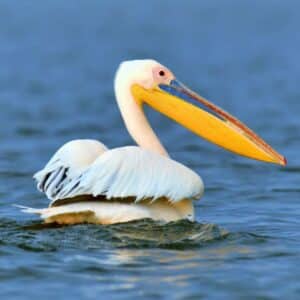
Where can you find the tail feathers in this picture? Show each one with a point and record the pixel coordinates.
(30, 210)
(68, 214)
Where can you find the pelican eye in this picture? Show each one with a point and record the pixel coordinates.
(161, 73)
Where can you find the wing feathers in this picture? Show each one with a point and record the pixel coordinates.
(86, 167)
(134, 172)
(66, 164)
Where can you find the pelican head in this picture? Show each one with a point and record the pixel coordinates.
(147, 81)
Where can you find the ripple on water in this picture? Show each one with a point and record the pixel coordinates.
(180, 235)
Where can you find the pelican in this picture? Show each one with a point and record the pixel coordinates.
(88, 183)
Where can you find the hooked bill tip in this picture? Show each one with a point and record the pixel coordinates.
(284, 161)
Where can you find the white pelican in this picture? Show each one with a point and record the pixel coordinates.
(88, 183)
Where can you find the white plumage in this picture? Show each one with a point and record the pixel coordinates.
(69, 162)
(125, 172)
(87, 167)
(123, 184)
(108, 212)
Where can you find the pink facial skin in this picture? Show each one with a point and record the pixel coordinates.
(161, 75)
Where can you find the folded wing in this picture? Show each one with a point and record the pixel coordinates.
(133, 172)
(88, 168)
(71, 160)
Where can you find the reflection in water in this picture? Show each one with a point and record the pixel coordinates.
(174, 234)
(138, 234)
(151, 265)
(136, 243)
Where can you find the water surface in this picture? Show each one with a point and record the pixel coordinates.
(57, 66)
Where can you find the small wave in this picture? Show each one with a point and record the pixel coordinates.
(177, 235)
(35, 236)
(291, 169)
(180, 235)
(286, 190)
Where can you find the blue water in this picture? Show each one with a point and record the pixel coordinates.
(57, 63)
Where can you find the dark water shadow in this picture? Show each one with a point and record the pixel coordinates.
(180, 235)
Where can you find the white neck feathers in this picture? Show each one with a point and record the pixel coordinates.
(134, 117)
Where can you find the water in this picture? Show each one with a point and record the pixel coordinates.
(57, 65)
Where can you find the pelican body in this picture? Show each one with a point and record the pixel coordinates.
(88, 183)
